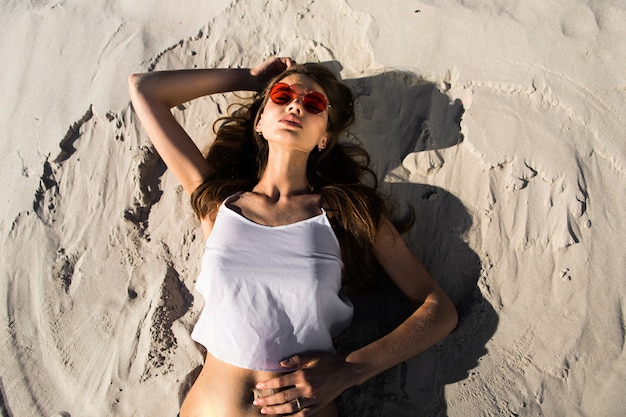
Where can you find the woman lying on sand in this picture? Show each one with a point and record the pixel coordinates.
(287, 223)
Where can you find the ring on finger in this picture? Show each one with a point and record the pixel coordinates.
(298, 405)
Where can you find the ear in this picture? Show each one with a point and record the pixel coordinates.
(324, 142)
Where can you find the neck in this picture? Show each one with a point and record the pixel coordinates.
(284, 175)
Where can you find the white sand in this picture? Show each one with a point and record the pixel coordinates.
(520, 207)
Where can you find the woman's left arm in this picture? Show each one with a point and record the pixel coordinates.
(321, 378)
(434, 318)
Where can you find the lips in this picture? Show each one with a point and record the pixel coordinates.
(291, 120)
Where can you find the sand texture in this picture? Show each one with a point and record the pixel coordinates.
(501, 123)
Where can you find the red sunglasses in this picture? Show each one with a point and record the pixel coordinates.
(313, 102)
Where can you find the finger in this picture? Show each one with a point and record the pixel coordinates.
(277, 398)
(283, 381)
(289, 62)
(292, 408)
(299, 361)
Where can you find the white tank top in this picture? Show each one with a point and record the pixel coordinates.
(270, 292)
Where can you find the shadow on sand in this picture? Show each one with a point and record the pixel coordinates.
(425, 119)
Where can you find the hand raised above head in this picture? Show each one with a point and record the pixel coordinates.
(270, 68)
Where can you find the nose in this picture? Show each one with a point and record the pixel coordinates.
(296, 104)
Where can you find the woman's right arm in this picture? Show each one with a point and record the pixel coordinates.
(153, 95)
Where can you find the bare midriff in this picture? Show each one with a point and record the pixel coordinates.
(224, 390)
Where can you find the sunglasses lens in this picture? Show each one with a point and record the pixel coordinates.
(281, 94)
(313, 102)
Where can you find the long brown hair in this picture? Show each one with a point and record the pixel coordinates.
(340, 173)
